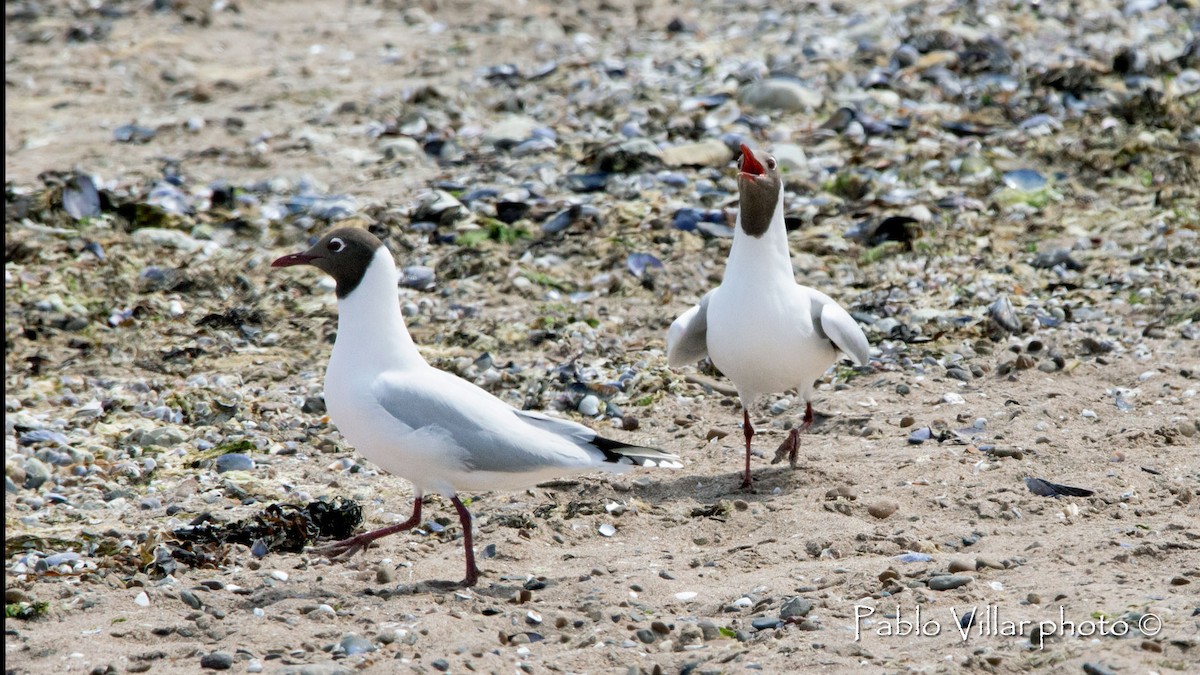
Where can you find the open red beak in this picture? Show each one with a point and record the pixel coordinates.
(294, 259)
(749, 164)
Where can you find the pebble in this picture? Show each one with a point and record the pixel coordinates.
(152, 237)
(843, 492)
(960, 565)
(780, 94)
(739, 604)
(795, 607)
(709, 152)
(234, 461)
(217, 661)
(352, 645)
(882, 508)
(589, 405)
(510, 130)
(765, 623)
(646, 635)
(164, 437)
(953, 398)
(791, 157)
(948, 582)
(36, 473)
(189, 598)
(384, 574)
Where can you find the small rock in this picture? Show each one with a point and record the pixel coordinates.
(883, 508)
(710, 152)
(400, 147)
(217, 661)
(234, 461)
(715, 433)
(709, 630)
(510, 130)
(777, 93)
(36, 473)
(981, 563)
(151, 237)
(843, 491)
(958, 374)
(164, 437)
(790, 156)
(795, 607)
(384, 574)
(189, 598)
(353, 644)
(646, 635)
(959, 565)
(765, 623)
(590, 405)
(948, 582)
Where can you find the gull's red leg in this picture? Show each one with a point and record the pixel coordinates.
(748, 430)
(464, 516)
(346, 548)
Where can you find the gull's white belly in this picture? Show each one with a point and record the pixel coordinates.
(766, 346)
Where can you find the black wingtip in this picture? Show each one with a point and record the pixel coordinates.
(619, 452)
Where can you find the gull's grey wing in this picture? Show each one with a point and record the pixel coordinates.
(614, 451)
(687, 340)
(556, 425)
(485, 433)
(840, 328)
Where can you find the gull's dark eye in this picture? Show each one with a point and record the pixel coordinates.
(336, 245)
(771, 163)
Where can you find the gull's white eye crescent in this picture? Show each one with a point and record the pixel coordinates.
(771, 163)
(336, 245)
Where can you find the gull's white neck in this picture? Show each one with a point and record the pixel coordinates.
(370, 325)
(765, 257)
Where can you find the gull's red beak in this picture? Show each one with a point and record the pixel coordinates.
(294, 259)
(750, 165)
